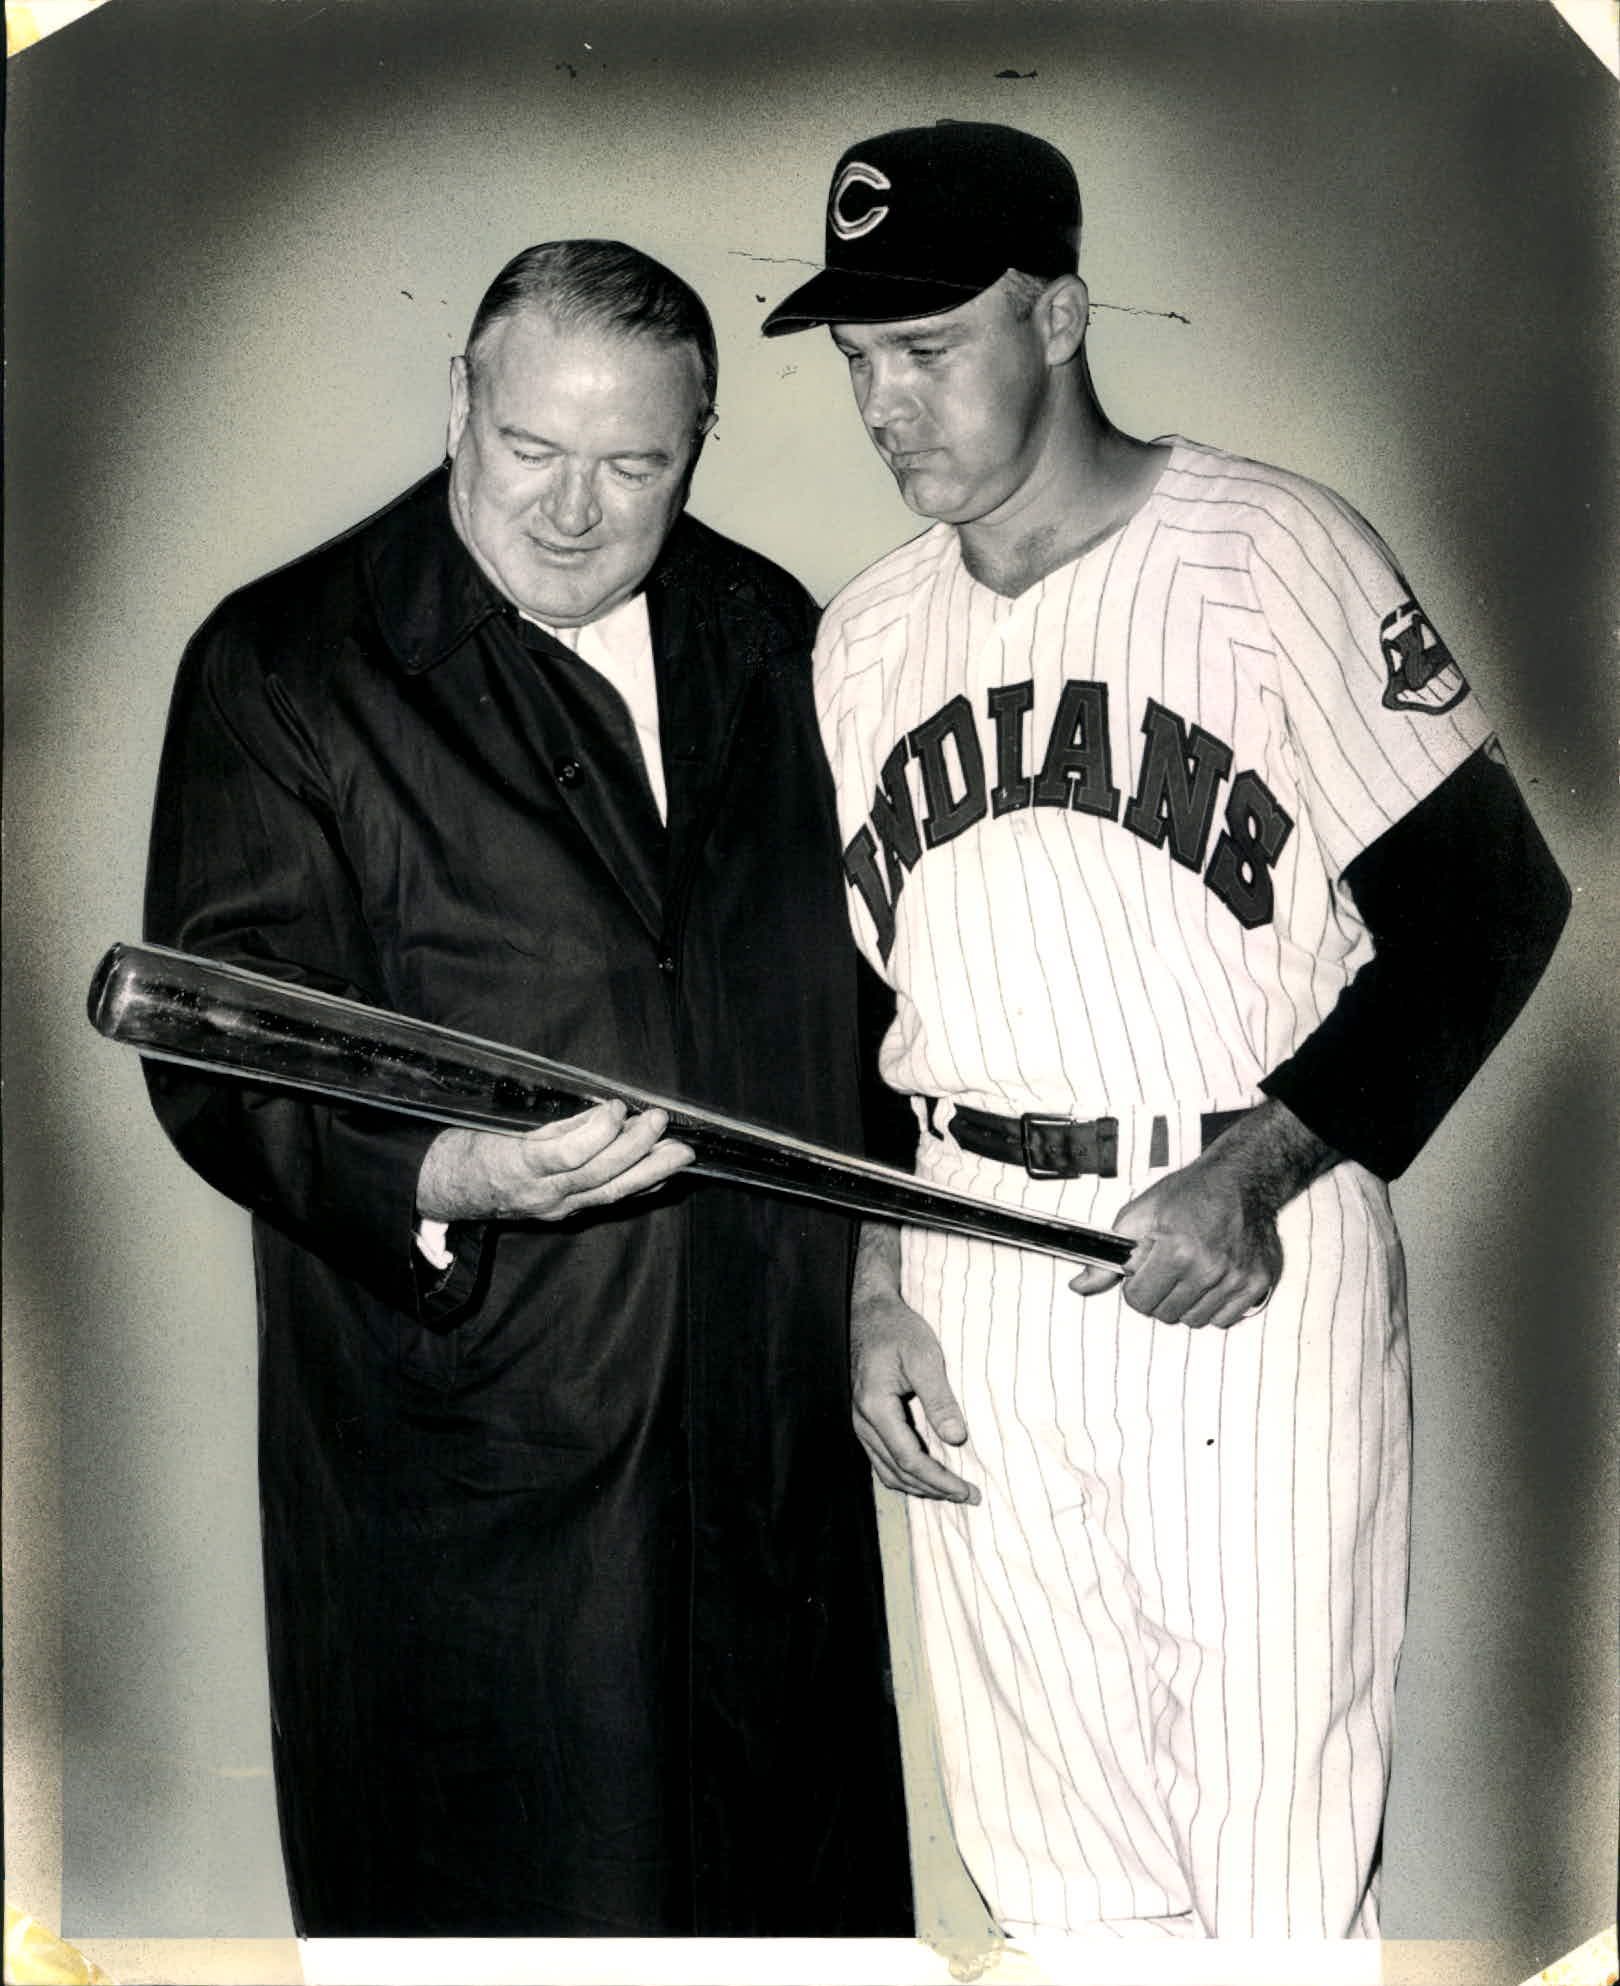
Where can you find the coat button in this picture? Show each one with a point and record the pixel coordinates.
(569, 772)
(666, 962)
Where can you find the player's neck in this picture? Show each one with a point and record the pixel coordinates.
(1090, 480)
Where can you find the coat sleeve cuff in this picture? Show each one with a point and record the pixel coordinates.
(378, 1159)
(446, 1291)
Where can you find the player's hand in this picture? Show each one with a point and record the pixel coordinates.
(591, 1160)
(1207, 1250)
(1204, 1253)
(895, 1358)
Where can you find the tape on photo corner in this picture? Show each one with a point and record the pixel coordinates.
(28, 21)
(1597, 22)
(37, 1957)
(1593, 1964)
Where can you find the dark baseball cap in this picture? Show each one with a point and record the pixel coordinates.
(922, 220)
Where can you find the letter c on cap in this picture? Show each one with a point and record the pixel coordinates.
(856, 173)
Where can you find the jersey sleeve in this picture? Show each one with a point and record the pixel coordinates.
(827, 673)
(838, 715)
(1378, 711)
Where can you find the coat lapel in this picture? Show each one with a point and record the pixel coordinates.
(598, 769)
(430, 599)
(710, 640)
(705, 666)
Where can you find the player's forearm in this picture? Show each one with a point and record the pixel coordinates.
(877, 1263)
(1269, 1155)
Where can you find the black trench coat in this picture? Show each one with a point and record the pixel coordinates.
(573, 1608)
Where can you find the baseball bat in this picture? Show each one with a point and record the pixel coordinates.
(178, 1007)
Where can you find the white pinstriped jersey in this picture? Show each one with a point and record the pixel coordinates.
(1094, 834)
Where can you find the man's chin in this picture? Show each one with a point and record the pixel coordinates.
(550, 597)
(919, 492)
(942, 506)
(926, 486)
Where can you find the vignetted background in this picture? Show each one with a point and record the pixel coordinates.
(1373, 243)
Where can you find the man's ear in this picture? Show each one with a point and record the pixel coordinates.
(704, 430)
(1065, 310)
(460, 402)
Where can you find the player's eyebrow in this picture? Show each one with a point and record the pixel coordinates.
(924, 334)
(509, 431)
(900, 340)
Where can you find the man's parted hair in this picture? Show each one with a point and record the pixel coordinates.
(605, 285)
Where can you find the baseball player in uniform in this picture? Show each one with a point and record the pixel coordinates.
(1203, 890)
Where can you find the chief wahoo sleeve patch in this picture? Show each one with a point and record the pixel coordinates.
(1422, 674)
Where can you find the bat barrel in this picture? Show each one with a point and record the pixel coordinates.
(181, 1008)
(178, 1007)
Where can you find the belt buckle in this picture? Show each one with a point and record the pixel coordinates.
(1099, 1139)
(1032, 1120)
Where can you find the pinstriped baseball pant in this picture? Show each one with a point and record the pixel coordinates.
(1163, 1648)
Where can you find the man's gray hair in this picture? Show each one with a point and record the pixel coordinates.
(605, 285)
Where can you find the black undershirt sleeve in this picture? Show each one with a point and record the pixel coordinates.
(1464, 904)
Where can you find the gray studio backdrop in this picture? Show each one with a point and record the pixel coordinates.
(1370, 242)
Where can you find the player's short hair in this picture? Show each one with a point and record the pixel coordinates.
(1022, 290)
(606, 285)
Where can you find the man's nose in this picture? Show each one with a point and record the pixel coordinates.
(572, 505)
(886, 400)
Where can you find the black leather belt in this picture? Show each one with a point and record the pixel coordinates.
(1063, 1147)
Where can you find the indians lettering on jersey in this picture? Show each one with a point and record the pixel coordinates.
(1173, 805)
(1097, 834)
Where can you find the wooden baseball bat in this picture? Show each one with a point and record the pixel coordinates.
(182, 1008)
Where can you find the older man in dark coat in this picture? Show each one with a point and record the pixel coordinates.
(574, 1621)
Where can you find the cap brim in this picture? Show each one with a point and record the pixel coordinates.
(852, 296)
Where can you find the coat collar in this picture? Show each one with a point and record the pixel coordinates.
(714, 631)
(426, 588)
